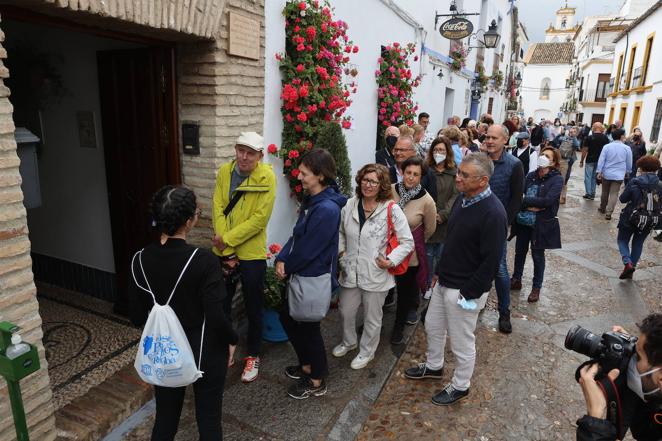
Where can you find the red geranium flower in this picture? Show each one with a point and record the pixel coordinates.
(272, 148)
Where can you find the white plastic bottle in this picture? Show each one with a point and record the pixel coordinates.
(17, 348)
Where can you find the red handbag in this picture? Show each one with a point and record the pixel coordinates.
(392, 243)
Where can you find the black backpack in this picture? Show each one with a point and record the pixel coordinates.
(647, 215)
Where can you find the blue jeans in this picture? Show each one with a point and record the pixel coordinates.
(433, 252)
(502, 282)
(623, 239)
(521, 249)
(589, 178)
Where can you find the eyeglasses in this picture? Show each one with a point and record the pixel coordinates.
(465, 175)
(369, 182)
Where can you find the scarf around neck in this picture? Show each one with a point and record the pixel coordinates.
(407, 195)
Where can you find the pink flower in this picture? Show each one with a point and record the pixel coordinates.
(346, 124)
(301, 47)
(416, 58)
(355, 49)
(293, 154)
(378, 72)
(300, 68)
(272, 148)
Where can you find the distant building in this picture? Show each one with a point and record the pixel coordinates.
(636, 96)
(565, 28)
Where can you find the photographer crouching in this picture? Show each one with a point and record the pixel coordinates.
(617, 401)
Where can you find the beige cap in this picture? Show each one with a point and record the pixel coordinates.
(252, 140)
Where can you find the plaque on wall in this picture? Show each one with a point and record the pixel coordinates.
(244, 36)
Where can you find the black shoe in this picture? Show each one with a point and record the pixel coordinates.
(397, 337)
(587, 196)
(601, 210)
(504, 323)
(304, 388)
(591, 197)
(449, 396)
(412, 317)
(295, 372)
(421, 372)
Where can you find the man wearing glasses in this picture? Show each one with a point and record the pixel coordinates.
(404, 149)
(477, 227)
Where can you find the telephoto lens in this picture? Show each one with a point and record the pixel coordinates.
(583, 341)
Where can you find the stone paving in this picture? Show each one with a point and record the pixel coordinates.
(523, 387)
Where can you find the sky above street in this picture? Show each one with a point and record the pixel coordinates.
(538, 14)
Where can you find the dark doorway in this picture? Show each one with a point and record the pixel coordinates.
(597, 117)
(137, 91)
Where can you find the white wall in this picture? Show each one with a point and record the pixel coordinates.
(648, 98)
(531, 82)
(371, 24)
(73, 222)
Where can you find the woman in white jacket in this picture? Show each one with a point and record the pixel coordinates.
(364, 265)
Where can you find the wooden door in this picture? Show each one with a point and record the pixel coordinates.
(140, 145)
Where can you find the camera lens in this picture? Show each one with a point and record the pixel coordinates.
(583, 341)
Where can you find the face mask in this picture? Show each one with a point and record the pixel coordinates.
(634, 379)
(439, 158)
(469, 305)
(391, 140)
(636, 137)
(543, 161)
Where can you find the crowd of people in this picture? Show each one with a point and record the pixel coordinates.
(430, 219)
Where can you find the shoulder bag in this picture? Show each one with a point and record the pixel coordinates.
(392, 243)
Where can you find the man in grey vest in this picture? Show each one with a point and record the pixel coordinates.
(507, 183)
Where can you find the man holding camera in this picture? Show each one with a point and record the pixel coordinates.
(638, 391)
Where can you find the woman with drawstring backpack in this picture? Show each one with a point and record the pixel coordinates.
(174, 279)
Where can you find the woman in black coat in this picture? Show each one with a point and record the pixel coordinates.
(198, 303)
(536, 224)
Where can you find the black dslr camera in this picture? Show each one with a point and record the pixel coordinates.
(611, 351)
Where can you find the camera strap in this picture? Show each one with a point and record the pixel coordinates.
(610, 391)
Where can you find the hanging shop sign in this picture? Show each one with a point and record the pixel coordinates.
(456, 28)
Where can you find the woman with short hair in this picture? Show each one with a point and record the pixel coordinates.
(630, 239)
(421, 213)
(364, 263)
(197, 300)
(537, 224)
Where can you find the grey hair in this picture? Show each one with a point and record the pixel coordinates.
(481, 161)
(406, 138)
(506, 132)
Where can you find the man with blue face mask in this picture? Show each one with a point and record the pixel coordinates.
(640, 396)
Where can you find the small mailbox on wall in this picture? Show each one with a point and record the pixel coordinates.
(26, 147)
(191, 138)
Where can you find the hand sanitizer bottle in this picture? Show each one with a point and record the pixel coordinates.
(17, 348)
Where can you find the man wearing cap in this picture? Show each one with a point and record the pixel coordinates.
(523, 150)
(243, 200)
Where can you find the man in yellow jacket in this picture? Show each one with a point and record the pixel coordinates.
(243, 200)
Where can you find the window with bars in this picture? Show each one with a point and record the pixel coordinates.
(655, 130)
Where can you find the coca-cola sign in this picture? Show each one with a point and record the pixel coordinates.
(456, 28)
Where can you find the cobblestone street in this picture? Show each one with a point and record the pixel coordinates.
(523, 387)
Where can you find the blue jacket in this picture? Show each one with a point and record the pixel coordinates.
(312, 250)
(633, 195)
(507, 183)
(546, 230)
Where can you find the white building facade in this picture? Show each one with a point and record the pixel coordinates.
(441, 93)
(636, 97)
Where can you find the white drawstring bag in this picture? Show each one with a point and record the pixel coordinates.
(164, 356)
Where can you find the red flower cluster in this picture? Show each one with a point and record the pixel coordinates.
(313, 91)
(396, 85)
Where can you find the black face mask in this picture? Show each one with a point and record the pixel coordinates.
(391, 140)
(520, 143)
(636, 138)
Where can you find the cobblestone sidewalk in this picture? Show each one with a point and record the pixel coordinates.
(523, 386)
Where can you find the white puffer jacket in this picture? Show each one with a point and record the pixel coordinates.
(360, 247)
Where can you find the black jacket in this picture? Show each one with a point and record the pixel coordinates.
(428, 181)
(546, 230)
(633, 194)
(525, 156)
(637, 417)
(384, 157)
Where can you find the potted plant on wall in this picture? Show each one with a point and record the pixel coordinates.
(458, 55)
(497, 78)
(274, 300)
(481, 78)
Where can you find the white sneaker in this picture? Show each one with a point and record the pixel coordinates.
(251, 369)
(361, 361)
(427, 294)
(341, 350)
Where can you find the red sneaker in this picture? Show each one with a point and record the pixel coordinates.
(628, 270)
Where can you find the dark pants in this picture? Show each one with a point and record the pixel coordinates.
(306, 338)
(521, 249)
(252, 273)
(408, 295)
(208, 392)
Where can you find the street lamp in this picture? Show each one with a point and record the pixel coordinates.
(490, 37)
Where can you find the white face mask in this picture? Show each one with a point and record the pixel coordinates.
(543, 161)
(634, 379)
(439, 158)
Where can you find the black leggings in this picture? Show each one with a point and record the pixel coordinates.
(408, 295)
(208, 392)
(306, 338)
